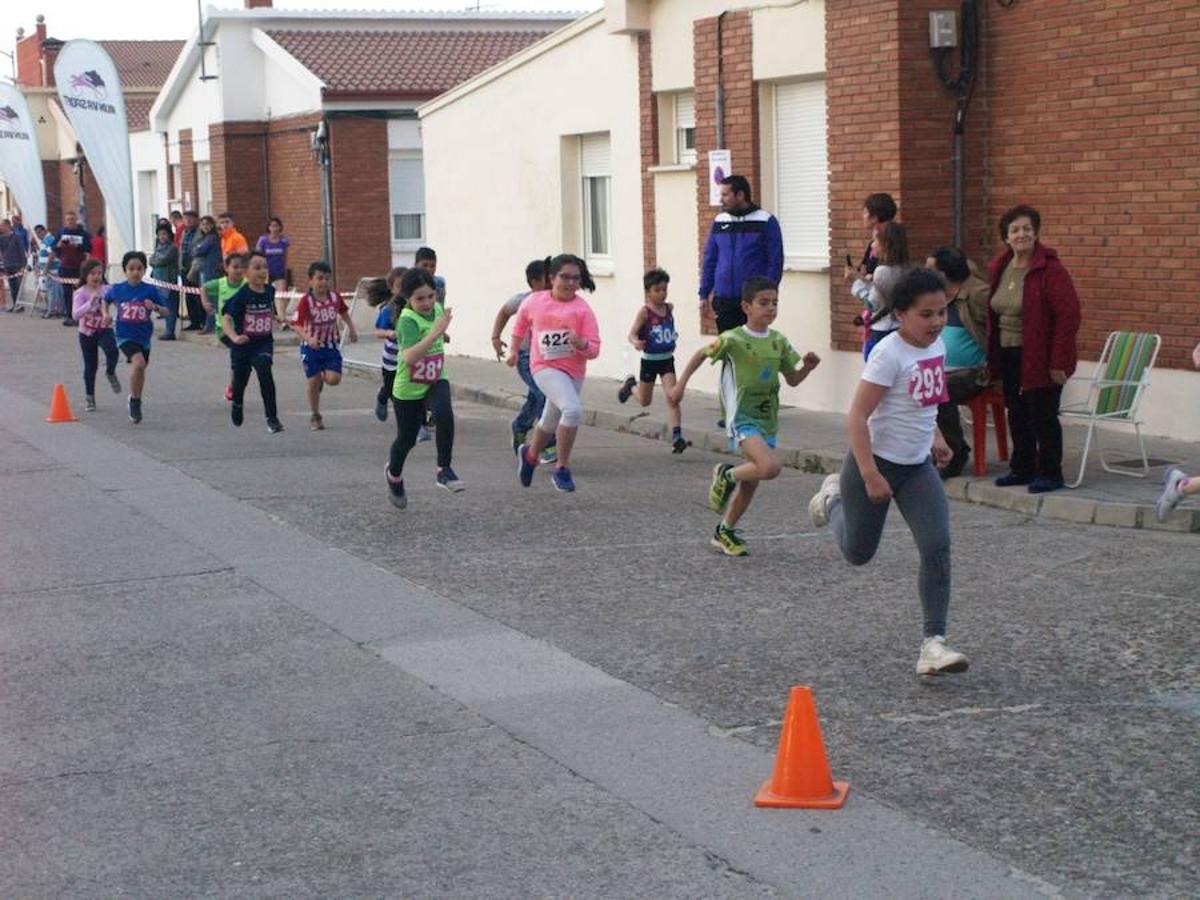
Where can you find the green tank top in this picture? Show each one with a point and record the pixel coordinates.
(219, 290)
(413, 382)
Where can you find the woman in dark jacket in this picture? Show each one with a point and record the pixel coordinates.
(1033, 321)
(206, 253)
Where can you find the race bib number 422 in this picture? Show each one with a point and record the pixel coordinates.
(927, 383)
(555, 344)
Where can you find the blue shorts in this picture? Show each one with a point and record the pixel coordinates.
(325, 359)
(741, 432)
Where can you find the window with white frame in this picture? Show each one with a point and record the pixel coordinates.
(595, 167)
(801, 172)
(685, 128)
(406, 195)
(204, 188)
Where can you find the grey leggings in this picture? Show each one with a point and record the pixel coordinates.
(857, 523)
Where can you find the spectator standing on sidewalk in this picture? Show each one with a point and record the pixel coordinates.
(12, 261)
(189, 268)
(72, 244)
(745, 242)
(965, 337)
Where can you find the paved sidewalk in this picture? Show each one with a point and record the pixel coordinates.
(816, 442)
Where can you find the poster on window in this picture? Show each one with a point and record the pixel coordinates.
(720, 166)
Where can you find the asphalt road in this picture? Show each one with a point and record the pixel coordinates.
(230, 667)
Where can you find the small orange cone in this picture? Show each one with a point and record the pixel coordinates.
(60, 409)
(801, 778)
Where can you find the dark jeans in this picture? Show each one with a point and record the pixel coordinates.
(1037, 441)
(963, 384)
(410, 416)
(195, 309)
(14, 288)
(91, 345)
(857, 523)
(535, 400)
(728, 311)
(169, 299)
(261, 365)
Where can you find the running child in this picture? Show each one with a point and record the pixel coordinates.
(134, 301)
(535, 400)
(385, 293)
(565, 336)
(95, 330)
(756, 356)
(426, 258)
(875, 290)
(215, 294)
(316, 322)
(249, 319)
(421, 383)
(892, 426)
(653, 333)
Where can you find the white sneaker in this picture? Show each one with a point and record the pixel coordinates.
(818, 506)
(1170, 496)
(938, 659)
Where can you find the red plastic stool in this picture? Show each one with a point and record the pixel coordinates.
(991, 396)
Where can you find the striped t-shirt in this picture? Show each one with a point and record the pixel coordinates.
(386, 321)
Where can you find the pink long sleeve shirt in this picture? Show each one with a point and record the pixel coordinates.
(551, 321)
(87, 308)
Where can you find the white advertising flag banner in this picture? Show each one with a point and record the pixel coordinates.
(90, 92)
(20, 162)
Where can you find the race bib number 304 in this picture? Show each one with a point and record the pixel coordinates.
(555, 344)
(927, 383)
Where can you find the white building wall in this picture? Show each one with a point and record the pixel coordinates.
(494, 176)
(146, 155)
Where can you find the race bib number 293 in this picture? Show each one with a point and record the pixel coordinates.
(927, 383)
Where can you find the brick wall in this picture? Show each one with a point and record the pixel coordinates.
(238, 156)
(187, 167)
(1093, 112)
(68, 184)
(741, 110)
(648, 133)
(361, 213)
(295, 190)
(54, 198)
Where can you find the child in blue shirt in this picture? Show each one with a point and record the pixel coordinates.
(130, 304)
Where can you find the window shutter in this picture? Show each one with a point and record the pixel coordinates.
(406, 185)
(685, 110)
(802, 169)
(595, 155)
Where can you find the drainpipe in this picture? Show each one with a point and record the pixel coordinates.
(320, 146)
(719, 97)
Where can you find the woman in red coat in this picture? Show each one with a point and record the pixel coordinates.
(1032, 324)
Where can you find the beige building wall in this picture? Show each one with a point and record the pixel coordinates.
(502, 185)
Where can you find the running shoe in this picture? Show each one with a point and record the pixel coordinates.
(381, 409)
(135, 410)
(229, 393)
(549, 455)
(818, 506)
(679, 443)
(722, 488)
(524, 466)
(113, 382)
(274, 426)
(1171, 493)
(451, 482)
(562, 480)
(316, 423)
(626, 390)
(938, 659)
(425, 434)
(235, 414)
(395, 490)
(68, 323)
(89, 404)
(728, 541)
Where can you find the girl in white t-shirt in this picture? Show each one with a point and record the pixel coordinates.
(892, 427)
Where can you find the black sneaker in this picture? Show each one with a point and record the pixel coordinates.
(274, 426)
(381, 409)
(235, 414)
(395, 490)
(89, 404)
(626, 390)
(113, 382)
(679, 443)
(451, 482)
(135, 410)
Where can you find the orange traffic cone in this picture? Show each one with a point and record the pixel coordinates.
(801, 778)
(60, 409)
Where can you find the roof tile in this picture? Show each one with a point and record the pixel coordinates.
(143, 64)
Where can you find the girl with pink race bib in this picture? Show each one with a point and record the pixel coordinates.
(564, 336)
(95, 330)
(421, 383)
(892, 427)
(248, 320)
